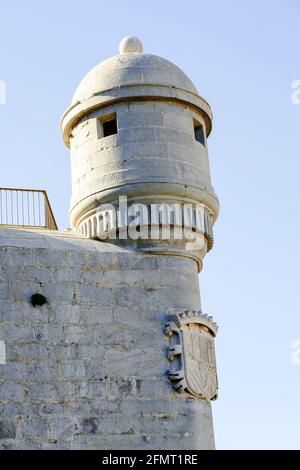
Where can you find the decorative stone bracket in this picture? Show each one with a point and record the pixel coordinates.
(111, 223)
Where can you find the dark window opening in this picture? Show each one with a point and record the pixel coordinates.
(199, 133)
(108, 125)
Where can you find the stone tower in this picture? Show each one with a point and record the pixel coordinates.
(120, 354)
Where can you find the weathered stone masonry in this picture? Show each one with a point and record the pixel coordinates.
(88, 369)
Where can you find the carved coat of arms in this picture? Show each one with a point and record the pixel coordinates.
(192, 351)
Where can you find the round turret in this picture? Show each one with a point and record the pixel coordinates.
(138, 128)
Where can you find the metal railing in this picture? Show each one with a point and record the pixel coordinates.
(26, 208)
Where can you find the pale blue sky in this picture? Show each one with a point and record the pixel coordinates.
(243, 57)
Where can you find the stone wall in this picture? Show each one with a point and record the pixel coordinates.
(87, 370)
(154, 152)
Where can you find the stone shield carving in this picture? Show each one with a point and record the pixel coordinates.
(192, 350)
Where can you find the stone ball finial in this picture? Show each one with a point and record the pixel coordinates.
(130, 45)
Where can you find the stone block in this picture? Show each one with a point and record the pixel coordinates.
(91, 425)
(52, 409)
(119, 387)
(93, 295)
(60, 293)
(89, 442)
(40, 391)
(150, 407)
(15, 371)
(7, 430)
(95, 314)
(93, 388)
(78, 334)
(65, 314)
(33, 427)
(73, 370)
(140, 363)
(118, 424)
(48, 333)
(64, 391)
(11, 392)
(62, 428)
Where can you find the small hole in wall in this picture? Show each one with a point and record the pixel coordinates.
(38, 300)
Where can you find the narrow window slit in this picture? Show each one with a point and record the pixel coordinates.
(199, 133)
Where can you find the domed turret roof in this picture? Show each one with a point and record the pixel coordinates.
(131, 68)
(132, 75)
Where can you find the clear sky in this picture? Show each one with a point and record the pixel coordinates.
(243, 57)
